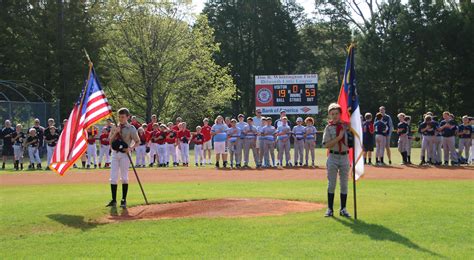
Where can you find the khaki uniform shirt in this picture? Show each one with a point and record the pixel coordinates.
(330, 134)
(128, 133)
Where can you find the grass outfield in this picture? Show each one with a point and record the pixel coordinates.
(398, 219)
(320, 154)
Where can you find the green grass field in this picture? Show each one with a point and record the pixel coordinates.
(320, 155)
(398, 219)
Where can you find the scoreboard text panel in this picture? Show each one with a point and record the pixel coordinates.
(296, 94)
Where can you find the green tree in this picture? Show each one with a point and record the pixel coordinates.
(160, 65)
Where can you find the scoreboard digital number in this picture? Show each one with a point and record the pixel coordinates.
(296, 94)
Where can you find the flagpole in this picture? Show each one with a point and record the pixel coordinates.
(354, 182)
(128, 154)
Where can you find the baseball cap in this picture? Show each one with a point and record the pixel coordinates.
(249, 119)
(299, 119)
(282, 111)
(240, 115)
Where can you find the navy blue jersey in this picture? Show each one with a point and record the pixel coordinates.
(465, 131)
(6, 134)
(430, 128)
(450, 130)
(402, 127)
(368, 130)
(380, 128)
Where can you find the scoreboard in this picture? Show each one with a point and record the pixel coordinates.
(296, 94)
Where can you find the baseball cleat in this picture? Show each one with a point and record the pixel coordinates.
(329, 213)
(123, 204)
(112, 203)
(343, 212)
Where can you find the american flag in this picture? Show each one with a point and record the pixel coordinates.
(91, 107)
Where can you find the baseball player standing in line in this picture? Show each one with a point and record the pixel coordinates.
(427, 131)
(233, 140)
(257, 122)
(250, 142)
(449, 129)
(176, 128)
(465, 136)
(410, 138)
(381, 130)
(336, 141)
(298, 137)
(207, 145)
(7, 149)
(18, 137)
(268, 136)
(126, 135)
(141, 149)
(402, 131)
(283, 138)
(241, 124)
(104, 148)
(368, 138)
(161, 145)
(219, 133)
(261, 140)
(153, 143)
(32, 142)
(184, 136)
(198, 139)
(310, 141)
(437, 141)
(91, 147)
(171, 144)
(154, 120)
(388, 121)
(51, 139)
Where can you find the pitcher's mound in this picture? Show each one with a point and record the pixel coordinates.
(214, 208)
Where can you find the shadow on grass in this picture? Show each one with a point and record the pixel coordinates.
(379, 232)
(74, 221)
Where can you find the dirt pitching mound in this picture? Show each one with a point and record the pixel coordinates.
(213, 208)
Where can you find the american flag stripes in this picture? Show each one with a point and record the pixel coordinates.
(91, 107)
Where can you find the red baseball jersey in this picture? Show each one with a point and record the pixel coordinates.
(184, 135)
(91, 132)
(171, 137)
(104, 139)
(206, 132)
(143, 138)
(198, 139)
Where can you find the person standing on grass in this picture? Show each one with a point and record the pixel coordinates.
(207, 140)
(184, 136)
(368, 138)
(387, 119)
(32, 142)
(310, 141)
(257, 122)
(335, 139)
(465, 136)
(123, 138)
(198, 140)
(250, 143)
(219, 133)
(7, 149)
(410, 138)
(402, 131)
(18, 137)
(298, 133)
(51, 139)
(381, 130)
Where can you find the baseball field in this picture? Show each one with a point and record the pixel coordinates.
(403, 212)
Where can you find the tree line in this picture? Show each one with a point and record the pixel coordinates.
(159, 58)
